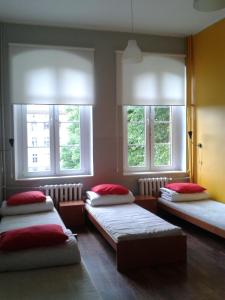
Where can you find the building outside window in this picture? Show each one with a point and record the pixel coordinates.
(63, 148)
(34, 158)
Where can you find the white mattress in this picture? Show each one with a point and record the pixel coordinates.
(19, 221)
(131, 222)
(66, 282)
(63, 254)
(209, 211)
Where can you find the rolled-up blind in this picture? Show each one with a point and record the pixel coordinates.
(51, 75)
(157, 80)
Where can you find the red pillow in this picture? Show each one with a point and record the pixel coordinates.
(110, 189)
(32, 237)
(185, 187)
(26, 198)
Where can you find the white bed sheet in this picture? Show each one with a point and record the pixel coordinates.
(19, 221)
(63, 254)
(130, 221)
(209, 211)
(65, 282)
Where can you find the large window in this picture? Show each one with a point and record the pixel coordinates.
(154, 138)
(153, 96)
(52, 140)
(52, 92)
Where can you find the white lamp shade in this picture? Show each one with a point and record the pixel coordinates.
(132, 53)
(209, 5)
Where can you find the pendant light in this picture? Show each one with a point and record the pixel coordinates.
(209, 5)
(132, 53)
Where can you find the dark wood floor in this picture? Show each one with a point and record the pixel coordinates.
(202, 278)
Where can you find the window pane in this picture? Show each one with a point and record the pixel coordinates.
(69, 134)
(38, 133)
(135, 114)
(37, 113)
(136, 134)
(162, 114)
(69, 158)
(161, 136)
(69, 113)
(161, 132)
(38, 159)
(162, 154)
(136, 156)
(69, 137)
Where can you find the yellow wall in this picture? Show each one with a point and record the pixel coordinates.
(209, 96)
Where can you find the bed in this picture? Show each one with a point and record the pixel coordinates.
(63, 254)
(139, 237)
(207, 214)
(43, 273)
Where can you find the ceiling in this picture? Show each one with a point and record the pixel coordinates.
(162, 17)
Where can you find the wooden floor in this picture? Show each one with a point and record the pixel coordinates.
(202, 278)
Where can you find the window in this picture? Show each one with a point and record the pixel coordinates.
(52, 92)
(34, 141)
(34, 158)
(60, 143)
(153, 138)
(46, 141)
(153, 97)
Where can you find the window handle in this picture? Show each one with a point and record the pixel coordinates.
(11, 142)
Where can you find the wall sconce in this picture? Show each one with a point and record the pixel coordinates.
(190, 134)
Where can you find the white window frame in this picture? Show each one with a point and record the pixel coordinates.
(20, 134)
(178, 146)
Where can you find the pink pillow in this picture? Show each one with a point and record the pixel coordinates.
(32, 237)
(26, 198)
(110, 189)
(185, 187)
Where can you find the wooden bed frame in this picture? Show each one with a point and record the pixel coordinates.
(131, 254)
(209, 227)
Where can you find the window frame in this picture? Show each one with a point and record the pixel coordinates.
(177, 121)
(21, 149)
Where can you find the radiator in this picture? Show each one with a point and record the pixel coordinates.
(63, 192)
(151, 186)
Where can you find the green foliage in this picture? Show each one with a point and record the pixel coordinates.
(136, 156)
(70, 158)
(135, 114)
(73, 113)
(70, 155)
(162, 114)
(161, 154)
(136, 136)
(161, 133)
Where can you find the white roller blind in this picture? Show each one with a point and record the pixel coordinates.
(51, 75)
(157, 80)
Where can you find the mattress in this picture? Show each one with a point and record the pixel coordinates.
(19, 221)
(131, 222)
(65, 282)
(209, 211)
(63, 254)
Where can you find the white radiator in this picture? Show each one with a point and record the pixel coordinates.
(63, 192)
(151, 186)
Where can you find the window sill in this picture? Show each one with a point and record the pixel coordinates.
(52, 177)
(157, 173)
